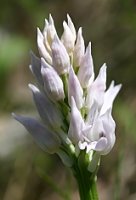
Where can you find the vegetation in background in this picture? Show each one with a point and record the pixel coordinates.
(111, 26)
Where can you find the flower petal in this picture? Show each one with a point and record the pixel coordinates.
(48, 111)
(53, 84)
(46, 139)
(50, 30)
(92, 114)
(75, 89)
(100, 145)
(79, 49)
(76, 124)
(61, 61)
(103, 127)
(42, 50)
(86, 70)
(109, 97)
(36, 68)
(68, 38)
(71, 26)
(109, 131)
(97, 89)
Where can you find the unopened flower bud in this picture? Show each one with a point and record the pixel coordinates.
(68, 38)
(75, 89)
(61, 61)
(76, 124)
(79, 49)
(51, 31)
(42, 50)
(46, 139)
(35, 67)
(71, 26)
(48, 111)
(86, 70)
(53, 84)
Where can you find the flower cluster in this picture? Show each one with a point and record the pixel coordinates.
(74, 105)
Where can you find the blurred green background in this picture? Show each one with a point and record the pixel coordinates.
(26, 173)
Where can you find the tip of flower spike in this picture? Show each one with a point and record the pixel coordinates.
(51, 21)
(112, 83)
(44, 64)
(46, 22)
(116, 86)
(38, 31)
(88, 49)
(80, 31)
(65, 26)
(104, 65)
(119, 86)
(70, 23)
(71, 26)
(18, 117)
(103, 68)
(33, 88)
(89, 46)
(102, 72)
(68, 17)
(39, 36)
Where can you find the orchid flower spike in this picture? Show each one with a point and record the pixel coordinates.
(75, 107)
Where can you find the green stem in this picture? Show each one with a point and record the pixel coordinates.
(87, 190)
(86, 180)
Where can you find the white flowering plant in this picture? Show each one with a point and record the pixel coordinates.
(75, 107)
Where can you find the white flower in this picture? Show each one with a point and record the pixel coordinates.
(75, 89)
(61, 61)
(86, 70)
(71, 26)
(79, 49)
(42, 49)
(49, 30)
(75, 109)
(109, 97)
(101, 137)
(76, 124)
(46, 139)
(69, 35)
(53, 84)
(49, 112)
(97, 89)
